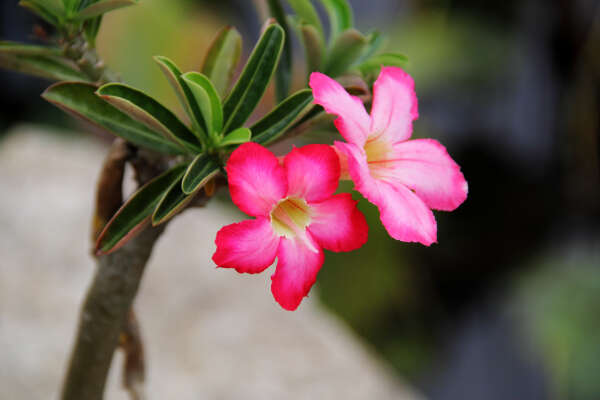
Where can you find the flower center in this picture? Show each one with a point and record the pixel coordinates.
(378, 156)
(290, 217)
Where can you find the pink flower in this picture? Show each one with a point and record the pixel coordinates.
(297, 215)
(404, 178)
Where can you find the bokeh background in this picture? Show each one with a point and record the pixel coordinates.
(507, 304)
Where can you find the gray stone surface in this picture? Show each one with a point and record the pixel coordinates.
(209, 333)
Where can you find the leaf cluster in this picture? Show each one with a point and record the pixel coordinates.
(70, 56)
(71, 16)
(216, 116)
(344, 50)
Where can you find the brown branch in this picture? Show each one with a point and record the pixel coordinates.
(104, 314)
(106, 318)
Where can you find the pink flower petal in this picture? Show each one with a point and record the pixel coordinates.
(256, 179)
(358, 170)
(337, 224)
(313, 172)
(425, 166)
(353, 122)
(405, 216)
(343, 159)
(296, 272)
(394, 105)
(248, 246)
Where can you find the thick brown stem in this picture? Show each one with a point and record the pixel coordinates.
(104, 314)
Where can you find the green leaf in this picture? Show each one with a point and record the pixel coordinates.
(85, 3)
(70, 6)
(274, 124)
(340, 17)
(101, 7)
(54, 6)
(143, 108)
(238, 136)
(45, 13)
(373, 65)
(91, 28)
(308, 15)
(44, 66)
(135, 213)
(173, 201)
(312, 41)
(348, 48)
(313, 46)
(80, 100)
(200, 171)
(283, 73)
(375, 41)
(186, 98)
(354, 85)
(16, 48)
(222, 59)
(254, 79)
(207, 100)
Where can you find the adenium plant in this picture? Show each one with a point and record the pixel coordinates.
(180, 163)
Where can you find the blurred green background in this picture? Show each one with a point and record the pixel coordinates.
(507, 304)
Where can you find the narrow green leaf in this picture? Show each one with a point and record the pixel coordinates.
(274, 124)
(347, 48)
(375, 40)
(283, 73)
(340, 17)
(312, 41)
(70, 6)
(48, 67)
(186, 98)
(238, 136)
(222, 59)
(254, 79)
(173, 201)
(16, 48)
(313, 46)
(135, 213)
(85, 3)
(374, 64)
(43, 12)
(354, 85)
(101, 7)
(207, 100)
(307, 13)
(91, 28)
(80, 100)
(43, 61)
(54, 6)
(143, 108)
(200, 171)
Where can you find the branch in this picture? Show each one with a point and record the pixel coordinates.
(88, 60)
(104, 314)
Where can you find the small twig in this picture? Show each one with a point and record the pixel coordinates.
(109, 189)
(134, 370)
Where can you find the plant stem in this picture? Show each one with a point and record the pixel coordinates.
(87, 59)
(103, 315)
